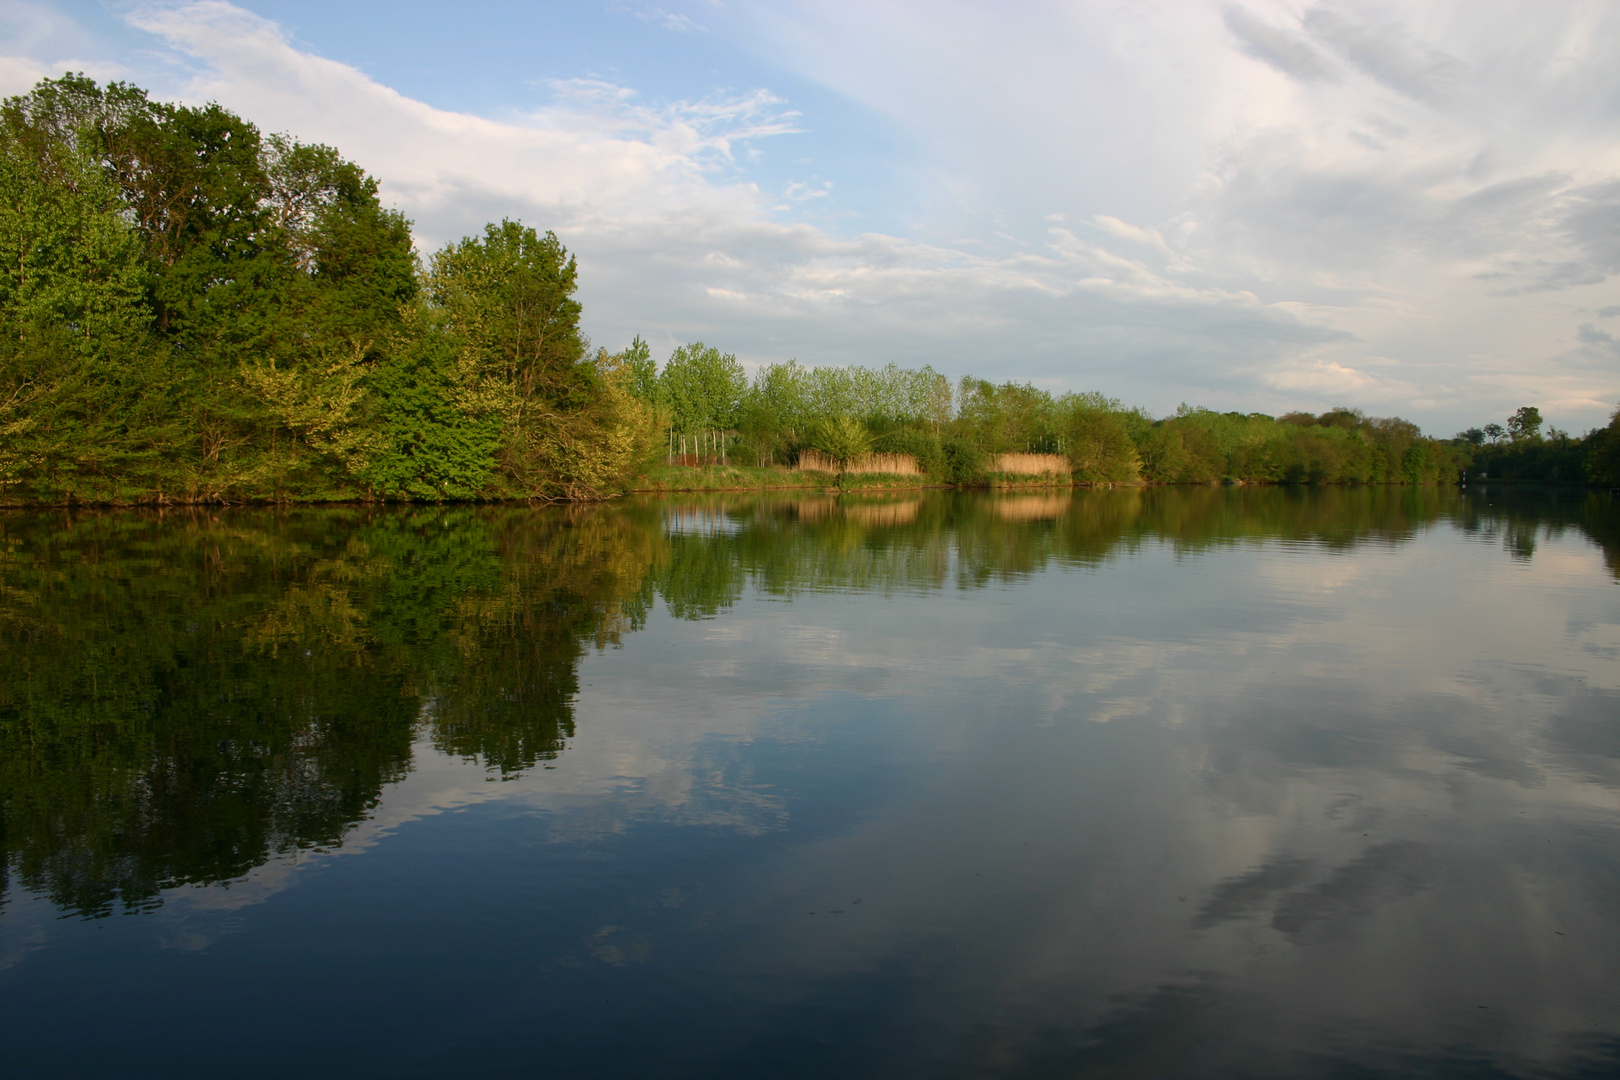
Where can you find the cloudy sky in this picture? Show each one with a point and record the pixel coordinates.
(1410, 208)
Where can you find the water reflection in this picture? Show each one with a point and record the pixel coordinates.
(1145, 782)
(183, 696)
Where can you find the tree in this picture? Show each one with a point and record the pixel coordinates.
(1097, 440)
(569, 430)
(703, 388)
(1525, 424)
(1011, 417)
(641, 371)
(509, 299)
(356, 261)
(190, 309)
(1495, 433)
(258, 278)
(842, 438)
(82, 387)
(1603, 453)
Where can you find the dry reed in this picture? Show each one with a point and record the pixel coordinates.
(893, 464)
(1031, 464)
(813, 461)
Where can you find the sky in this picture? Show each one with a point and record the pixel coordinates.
(1413, 209)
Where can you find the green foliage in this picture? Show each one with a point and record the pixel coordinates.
(1525, 423)
(1602, 464)
(193, 311)
(69, 261)
(1096, 436)
(1527, 456)
(703, 388)
(82, 383)
(438, 438)
(505, 303)
(1012, 417)
(508, 300)
(642, 372)
(842, 438)
(964, 461)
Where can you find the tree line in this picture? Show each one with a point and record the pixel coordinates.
(956, 432)
(192, 310)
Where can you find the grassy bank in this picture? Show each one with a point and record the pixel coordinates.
(663, 478)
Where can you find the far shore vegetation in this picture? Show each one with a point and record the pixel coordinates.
(194, 311)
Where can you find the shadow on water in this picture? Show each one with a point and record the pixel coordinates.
(184, 696)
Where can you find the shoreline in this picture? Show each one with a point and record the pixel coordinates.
(820, 487)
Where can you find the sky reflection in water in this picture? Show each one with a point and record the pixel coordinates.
(1163, 783)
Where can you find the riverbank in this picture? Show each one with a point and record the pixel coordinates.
(676, 478)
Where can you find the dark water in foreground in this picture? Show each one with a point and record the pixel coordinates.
(1174, 783)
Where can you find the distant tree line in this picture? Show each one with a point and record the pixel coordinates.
(191, 310)
(956, 432)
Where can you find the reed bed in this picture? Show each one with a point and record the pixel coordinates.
(1031, 464)
(891, 464)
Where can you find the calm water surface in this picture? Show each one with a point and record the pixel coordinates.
(1171, 783)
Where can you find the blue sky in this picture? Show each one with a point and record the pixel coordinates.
(1413, 209)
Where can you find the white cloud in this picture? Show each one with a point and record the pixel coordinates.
(1322, 377)
(673, 21)
(19, 73)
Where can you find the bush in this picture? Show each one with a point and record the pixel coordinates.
(841, 438)
(964, 462)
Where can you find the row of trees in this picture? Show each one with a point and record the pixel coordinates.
(955, 432)
(192, 310)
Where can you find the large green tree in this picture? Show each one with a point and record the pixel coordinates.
(1525, 423)
(570, 429)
